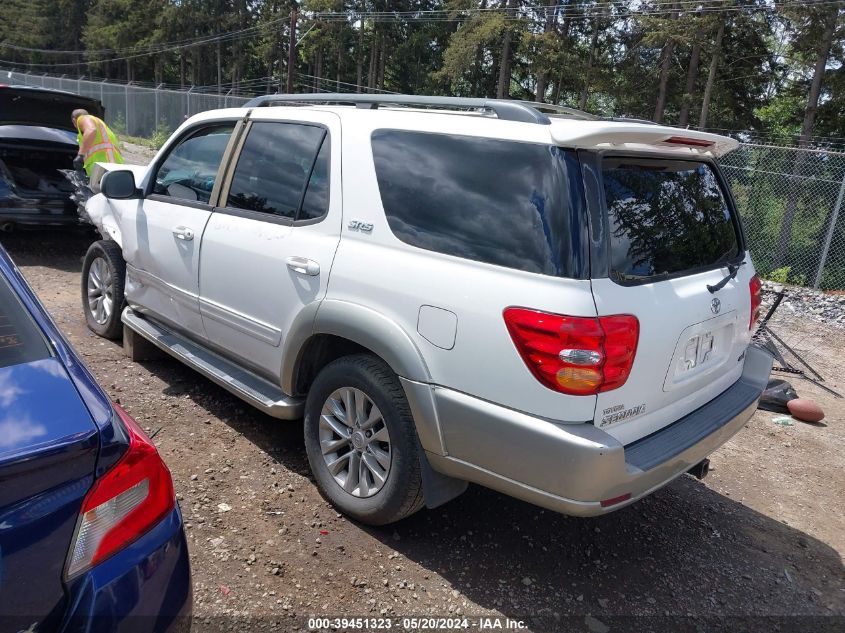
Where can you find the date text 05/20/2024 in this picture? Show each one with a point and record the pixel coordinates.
(417, 624)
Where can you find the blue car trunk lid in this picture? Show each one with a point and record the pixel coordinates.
(48, 454)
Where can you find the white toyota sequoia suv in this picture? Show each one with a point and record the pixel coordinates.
(549, 304)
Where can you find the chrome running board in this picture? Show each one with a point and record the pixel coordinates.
(250, 388)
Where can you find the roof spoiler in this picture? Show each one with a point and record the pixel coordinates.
(630, 135)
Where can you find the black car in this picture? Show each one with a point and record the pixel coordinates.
(37, 141)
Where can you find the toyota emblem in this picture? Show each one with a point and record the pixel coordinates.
(715, 305)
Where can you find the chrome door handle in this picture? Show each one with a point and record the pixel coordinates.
(303, 266)
(183, 233)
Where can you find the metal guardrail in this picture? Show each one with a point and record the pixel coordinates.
(790, 198)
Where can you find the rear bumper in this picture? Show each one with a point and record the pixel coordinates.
(571, 468)
(38, 212)
(143, 589)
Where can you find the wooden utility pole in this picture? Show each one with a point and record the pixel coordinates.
(281, 63)
(219, 70)
(292, 49)
(360, 51)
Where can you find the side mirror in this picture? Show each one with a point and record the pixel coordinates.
(119, 185)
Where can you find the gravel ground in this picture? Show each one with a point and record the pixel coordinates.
(763, 535)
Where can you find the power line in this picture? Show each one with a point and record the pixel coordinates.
(153, 48)
(90, 62)
(597, 9)
(602, 8)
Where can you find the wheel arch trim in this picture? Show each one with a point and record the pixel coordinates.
(358, 324)
(387, 339)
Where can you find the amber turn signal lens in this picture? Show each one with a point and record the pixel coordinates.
(579, 379)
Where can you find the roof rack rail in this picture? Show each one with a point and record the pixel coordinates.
(625, 119)
(562, 111)
(505, 109)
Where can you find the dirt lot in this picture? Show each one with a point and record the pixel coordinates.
(764, 535)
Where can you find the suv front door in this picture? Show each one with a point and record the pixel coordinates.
(268, 248)
(163, 262)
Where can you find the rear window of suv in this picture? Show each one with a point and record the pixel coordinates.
(500, 202)
(20, 338)
(667, 218)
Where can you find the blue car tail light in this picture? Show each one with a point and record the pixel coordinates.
(124, 503)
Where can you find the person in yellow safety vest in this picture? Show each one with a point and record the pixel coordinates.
(97, 143)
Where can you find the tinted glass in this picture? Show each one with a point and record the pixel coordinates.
(273, 168)
(316, 201)
(499, 202)
(666, 217)
(190, 170)
(20, 337)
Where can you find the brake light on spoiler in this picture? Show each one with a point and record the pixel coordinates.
(689, 142)
(639, 136)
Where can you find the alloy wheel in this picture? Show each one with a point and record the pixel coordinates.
(355, 442)
(100, 291)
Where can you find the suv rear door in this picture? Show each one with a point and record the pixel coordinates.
(269, 245)
(672, 231)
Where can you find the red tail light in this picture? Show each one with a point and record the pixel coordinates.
(756, 288)
(575, 355)
(128, 500)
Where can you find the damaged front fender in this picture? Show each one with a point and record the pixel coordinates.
(94, 207)
(99, 211)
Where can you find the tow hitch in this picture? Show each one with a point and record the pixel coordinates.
(700, 470)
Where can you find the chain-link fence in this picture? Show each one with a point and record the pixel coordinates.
(131, 109)
(789, 197)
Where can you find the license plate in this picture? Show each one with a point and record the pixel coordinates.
(697, 351)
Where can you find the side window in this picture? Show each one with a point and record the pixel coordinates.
(274, 167)
(190, 169)
(316, 202)
(506, 203)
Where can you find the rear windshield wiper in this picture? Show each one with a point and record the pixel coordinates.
(733, 269)
(632, 279)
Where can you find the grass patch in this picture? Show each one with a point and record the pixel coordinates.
(159, 137)
(138, 140)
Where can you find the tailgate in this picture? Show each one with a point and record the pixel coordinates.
(673, 232)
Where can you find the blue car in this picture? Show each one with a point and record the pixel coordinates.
(91, 537)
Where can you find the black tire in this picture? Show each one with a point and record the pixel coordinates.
(108, 252)
(401, 493)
